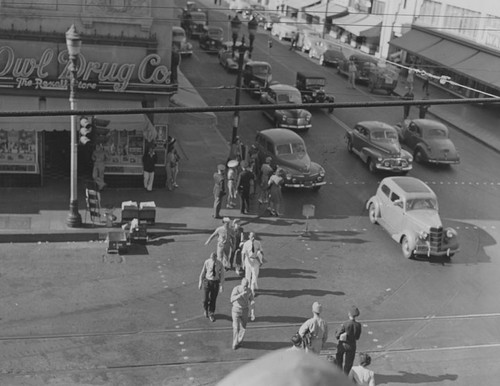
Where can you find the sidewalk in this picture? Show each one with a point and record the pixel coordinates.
(480, 123)
(39, 214)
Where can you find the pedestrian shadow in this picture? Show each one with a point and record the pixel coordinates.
(281, 319)
(155, 240)
(137, 249)
(258, 345)
(296, 293)
(291, 273)
(406, 377)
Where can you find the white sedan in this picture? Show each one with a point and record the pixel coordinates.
(284, 28)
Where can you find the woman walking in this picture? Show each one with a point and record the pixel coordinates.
(275, 198)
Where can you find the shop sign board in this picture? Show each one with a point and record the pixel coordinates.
(103, 69)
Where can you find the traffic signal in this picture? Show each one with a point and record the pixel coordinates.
(85, 130)
(101, 132)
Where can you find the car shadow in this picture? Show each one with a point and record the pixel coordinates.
(407, 377)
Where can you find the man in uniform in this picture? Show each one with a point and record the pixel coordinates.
(223, 242)
(243, 305)
(348, 334)
(219, 189)
(314, 330)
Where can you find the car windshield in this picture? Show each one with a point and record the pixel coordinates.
(198, 16)
(421, 203)
(285, 97)
(315, 82)
(261, 70)
(436, 133)
(178, 34)
(384, 135)
(297, 148)
(214, 33)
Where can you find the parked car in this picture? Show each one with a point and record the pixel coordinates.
(279, 94)
(319, 47)
(364, 64)
(256, 76)
(376, 143)
(285, 28)
(428, 140)
(239, 6)
(312, 88)
(382, 78)
(211, 39)
(336, 55)
(408, 210)
(255, 10)
(180, 41)
(306, 39)
(193, 21)
(226, 57)
(288, 152)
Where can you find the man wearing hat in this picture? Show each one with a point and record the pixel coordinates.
(314, 331)
(223, 242)
(231, 183)
(243, 305)
(219, 189)
(347, 335)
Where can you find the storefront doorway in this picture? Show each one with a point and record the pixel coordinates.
(56, 155)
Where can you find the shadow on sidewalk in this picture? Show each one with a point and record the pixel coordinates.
(406, 377)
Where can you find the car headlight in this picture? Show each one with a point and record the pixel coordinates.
(308, 118)
(379, 159)
(410, 159)
(283, 118)
(314, 93)
(423, 235)
(322, 173)
(450, 233)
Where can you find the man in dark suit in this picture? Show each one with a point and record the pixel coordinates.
(348, 334)
(243, 185)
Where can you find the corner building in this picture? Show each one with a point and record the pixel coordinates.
(125, 62)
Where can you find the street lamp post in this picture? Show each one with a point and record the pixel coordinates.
(235, 28)
(73, 43)
(326, 15)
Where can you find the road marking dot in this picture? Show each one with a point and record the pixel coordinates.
(181, 343)
(173, 312)
(183, 350)
(365, 325)
(188, 368)
(379, 346)
(388, 289)
(175, 319)
(370, 332)
(375, 340)
(179, 335)
(177, 326)
(186, 358)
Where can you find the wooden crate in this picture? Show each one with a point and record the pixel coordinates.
(117, 242)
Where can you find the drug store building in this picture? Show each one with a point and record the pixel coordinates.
(114, 72)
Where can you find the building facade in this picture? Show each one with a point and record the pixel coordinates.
(125, 62)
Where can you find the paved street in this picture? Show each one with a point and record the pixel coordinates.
(74, 315)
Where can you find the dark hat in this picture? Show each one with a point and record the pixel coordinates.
(296, 339)
(221, 167)
(354, 311)
(364, 359)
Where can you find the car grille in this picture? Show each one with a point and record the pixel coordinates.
(296, 121)
(435, 241)
(395, 162)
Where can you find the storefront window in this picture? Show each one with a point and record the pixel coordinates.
(18, 151)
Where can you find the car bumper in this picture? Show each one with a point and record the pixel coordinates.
(303, 185)
(295, 127)
(427, 250)
(186, 52)
(443, 161)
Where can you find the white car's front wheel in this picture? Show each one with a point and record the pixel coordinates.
(406, 248)
(372, 213)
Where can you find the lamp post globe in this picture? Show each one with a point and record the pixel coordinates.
(73, 44)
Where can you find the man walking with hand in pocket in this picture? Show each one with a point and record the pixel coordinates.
(253, 258)
(243, 305)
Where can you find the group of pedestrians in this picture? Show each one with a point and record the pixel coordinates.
(241, 179)
(232, 251)
(150, 160)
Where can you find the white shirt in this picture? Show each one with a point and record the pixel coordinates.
(362, 376)
(251, 250)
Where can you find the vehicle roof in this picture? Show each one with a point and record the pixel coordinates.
(282, 87)
(310, 74)
(363, 57)
(376, 125)
(427, 124)
(413, 187)
(281, 136)
(177, 28)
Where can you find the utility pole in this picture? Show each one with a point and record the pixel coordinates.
(326, 14)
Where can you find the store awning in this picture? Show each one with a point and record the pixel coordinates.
(360, 24)
(334, 10)
(415, 41)
(482, 67)
(447, 52)
(299, 4)
(61, 123)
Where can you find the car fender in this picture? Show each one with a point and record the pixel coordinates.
(411, 236)
(422, 147)
(367, 152)
(376, 203)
